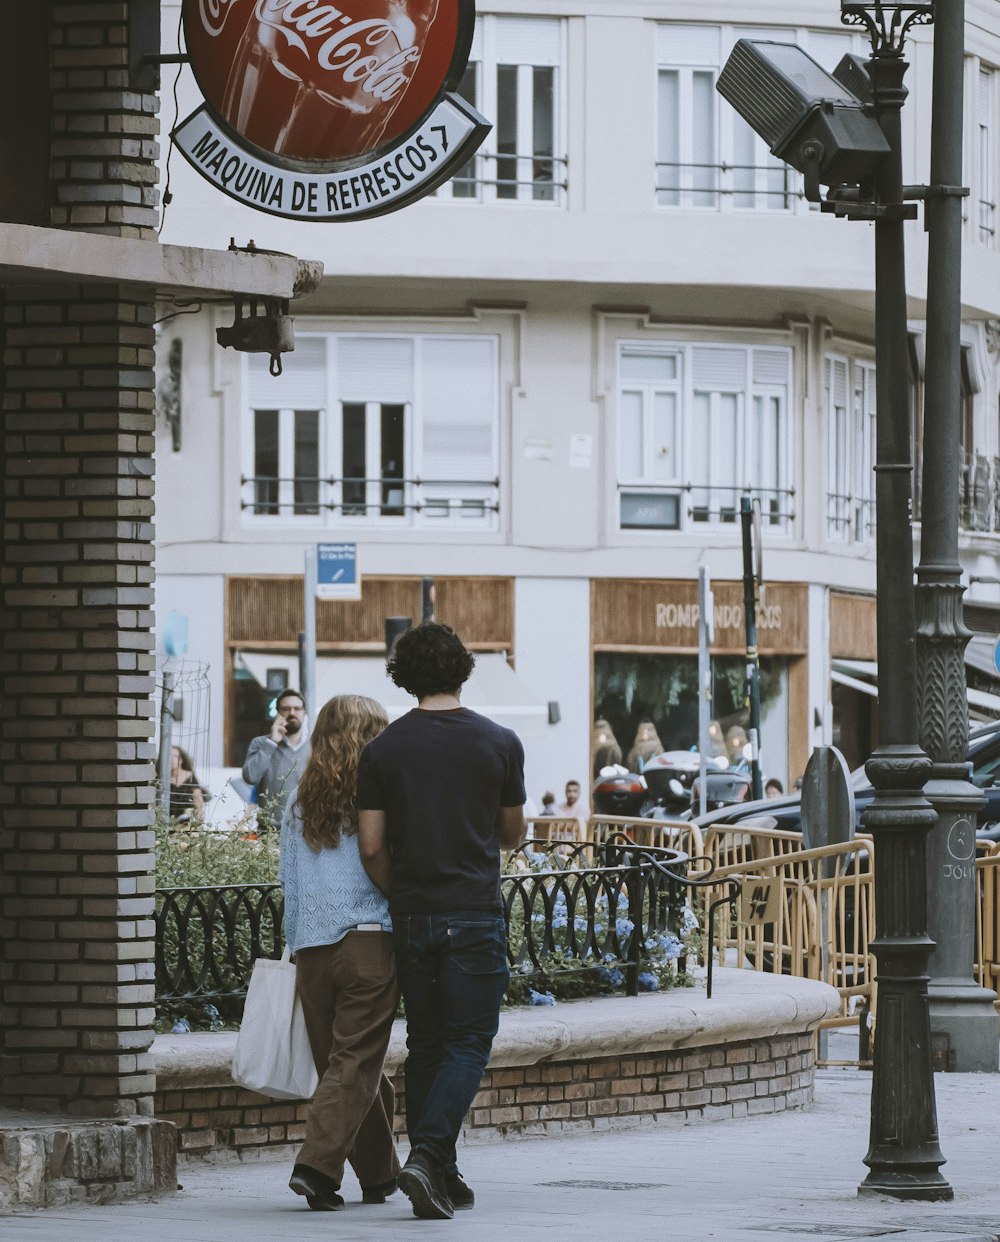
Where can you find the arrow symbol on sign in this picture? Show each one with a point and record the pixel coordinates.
(338, 574)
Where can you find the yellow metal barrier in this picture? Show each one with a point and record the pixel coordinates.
(987, 966)
(674, 834)
(822, 923)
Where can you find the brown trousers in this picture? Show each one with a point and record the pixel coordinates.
(349, 996)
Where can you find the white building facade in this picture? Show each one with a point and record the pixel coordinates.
(549, 385)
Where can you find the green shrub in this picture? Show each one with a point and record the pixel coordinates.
(188, 855)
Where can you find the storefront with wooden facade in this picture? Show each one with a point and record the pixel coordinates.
(265, 615)
(644, 636)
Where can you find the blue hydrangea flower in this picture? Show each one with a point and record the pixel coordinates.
(624, 928)
(215, 1022)
(648, 982)
(181, 1027)
(613, 978)
(540, 998)
(669, 945)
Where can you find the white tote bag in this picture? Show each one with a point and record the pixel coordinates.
(272, 1055)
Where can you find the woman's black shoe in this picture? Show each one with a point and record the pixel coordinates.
(379, 1194)
(319, 1190)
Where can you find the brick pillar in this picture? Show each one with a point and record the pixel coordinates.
(76, 653)
(104, 145)
(76, 670)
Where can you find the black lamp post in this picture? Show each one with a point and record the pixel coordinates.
(904, 1157)
(963, 1020)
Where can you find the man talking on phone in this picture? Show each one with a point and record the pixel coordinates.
(275, 761)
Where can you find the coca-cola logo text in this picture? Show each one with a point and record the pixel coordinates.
(315, 82)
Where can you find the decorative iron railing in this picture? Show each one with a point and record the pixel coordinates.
(510, 177)
(605, 913)
(725, 187)
(691, 505)
(357, 498)
(207, 940)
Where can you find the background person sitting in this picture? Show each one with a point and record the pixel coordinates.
(187, 797)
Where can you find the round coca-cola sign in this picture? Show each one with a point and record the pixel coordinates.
(311, 83)
(329, 111)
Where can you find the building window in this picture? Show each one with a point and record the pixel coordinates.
(850, 422)
(700, 426)
(384, 429)
(707, 156)
(985, 178)
(515, 76)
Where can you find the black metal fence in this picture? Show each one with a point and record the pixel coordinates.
(581, 918)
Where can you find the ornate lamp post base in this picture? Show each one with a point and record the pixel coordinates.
(904, 1156)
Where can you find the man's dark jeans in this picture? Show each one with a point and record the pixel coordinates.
(453, 974)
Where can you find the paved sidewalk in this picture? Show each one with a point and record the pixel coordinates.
(763, 1179)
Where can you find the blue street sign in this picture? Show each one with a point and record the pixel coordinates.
(996, 656)
(337, 574)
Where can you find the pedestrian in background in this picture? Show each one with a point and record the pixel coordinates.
(440, 793)
(187, 796)
(575, 807)
(337, 925)
(275, 761)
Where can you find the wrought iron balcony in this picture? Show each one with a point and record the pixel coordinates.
(357, 499)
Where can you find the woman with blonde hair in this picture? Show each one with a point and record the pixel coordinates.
(337, 925)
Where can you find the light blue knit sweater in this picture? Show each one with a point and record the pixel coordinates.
(327, 894)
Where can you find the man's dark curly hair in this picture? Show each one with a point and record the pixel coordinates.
(430, 659)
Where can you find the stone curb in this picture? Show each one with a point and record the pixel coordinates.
(745, 1004)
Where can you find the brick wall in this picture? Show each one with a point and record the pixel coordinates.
(733, 1080)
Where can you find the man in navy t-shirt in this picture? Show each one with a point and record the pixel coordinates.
(440, 793)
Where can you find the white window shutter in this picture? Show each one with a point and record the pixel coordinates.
(301, 384)
(836, 380)
(718, 369)
(528, 41)
(374, 368)
(458, 409)
(688, 45)
(770, 366)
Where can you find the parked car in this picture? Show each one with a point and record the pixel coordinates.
(983, 759)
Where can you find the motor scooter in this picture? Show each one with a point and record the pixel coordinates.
(680, 799)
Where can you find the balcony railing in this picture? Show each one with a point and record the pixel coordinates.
(850, 518)
(727, 187)
(357, 499)
(510, 177)
(979, 494)
(987, 221)
(691, 506)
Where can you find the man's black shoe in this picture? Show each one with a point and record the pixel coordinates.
(422, 1181)
(320, 1191)
(379, 1194)
(461, 1195)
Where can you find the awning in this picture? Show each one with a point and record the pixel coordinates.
(493, 690)
(849, 673)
